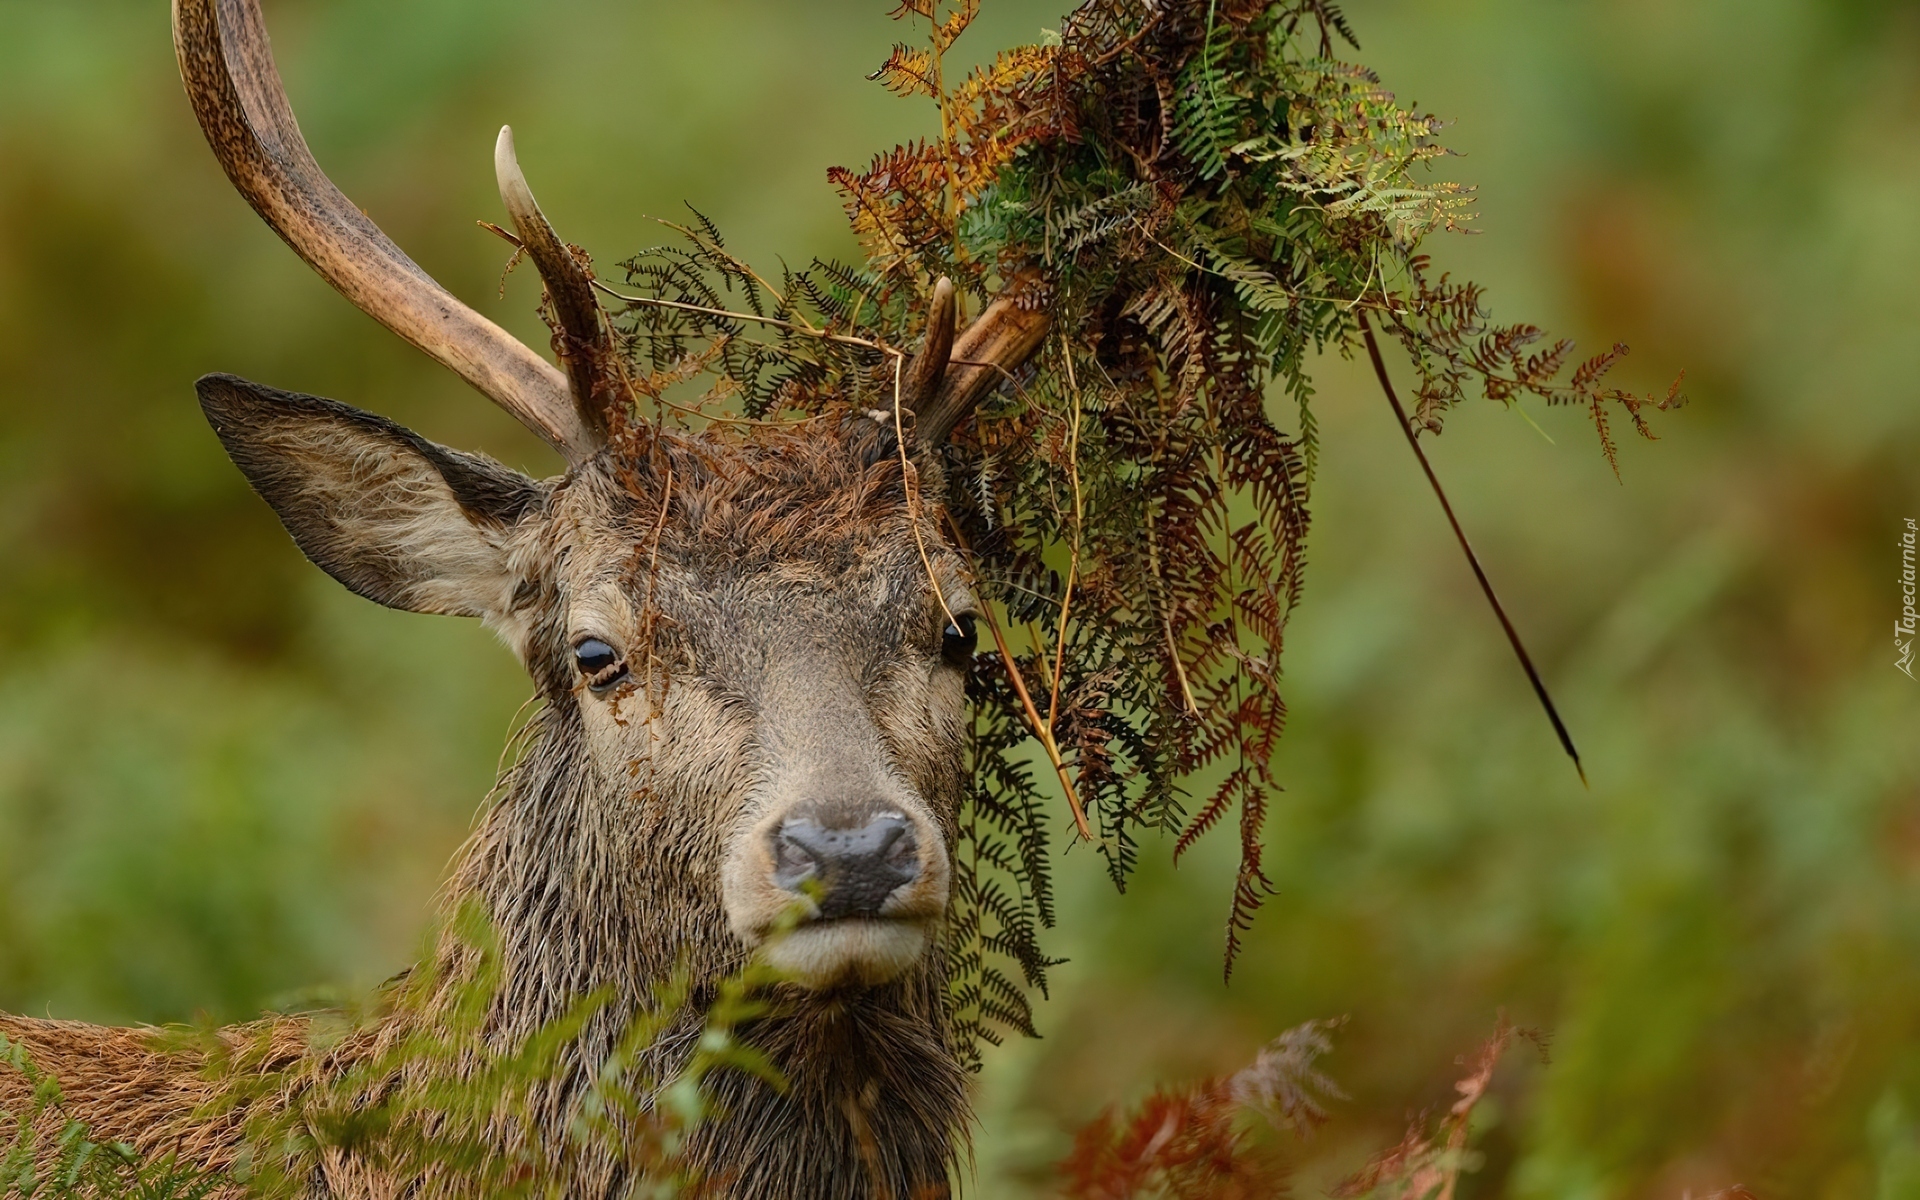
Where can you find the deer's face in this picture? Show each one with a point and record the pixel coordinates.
(760, 646)
(755, 632)
(751, 631)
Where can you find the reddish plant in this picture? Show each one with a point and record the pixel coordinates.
(1193, 1143)
(1428, 1165)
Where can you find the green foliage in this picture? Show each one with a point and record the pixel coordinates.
(1722, 934)
(53, 1157)
(439, 1097)
(219, 835)
(1204, 199)
(421, 1085)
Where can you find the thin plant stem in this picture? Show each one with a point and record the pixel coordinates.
(910, 479)
(1041, 733)
(745, 268)
(776, 322)
(1073, 564)
(798, 327)
(1473, 560)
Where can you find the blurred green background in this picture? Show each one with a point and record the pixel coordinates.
(222, 778)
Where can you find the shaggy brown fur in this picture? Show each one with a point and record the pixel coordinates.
(119, 1082)
(779, 598)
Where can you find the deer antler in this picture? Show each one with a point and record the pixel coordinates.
(584, 345)
(999, 341)
(228, 68)
(928, 370)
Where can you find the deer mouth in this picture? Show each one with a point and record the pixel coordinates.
(838, 952)
(862, 901)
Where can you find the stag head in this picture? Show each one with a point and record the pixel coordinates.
(751, 641)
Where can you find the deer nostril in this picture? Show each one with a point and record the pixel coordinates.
(856, 869)
(793, 860)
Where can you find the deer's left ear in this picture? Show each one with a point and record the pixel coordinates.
(391, 515)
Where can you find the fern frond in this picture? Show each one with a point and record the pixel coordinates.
(1213, 198)
(908, 71)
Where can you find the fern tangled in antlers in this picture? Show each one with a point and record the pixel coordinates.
(1204, 198)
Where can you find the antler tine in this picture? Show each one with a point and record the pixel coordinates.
(999, 341)
(583, 345)
(929, 367)
(227, 65)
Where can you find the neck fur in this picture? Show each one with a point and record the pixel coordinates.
(591, 886)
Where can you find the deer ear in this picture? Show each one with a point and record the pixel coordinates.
(393, 516)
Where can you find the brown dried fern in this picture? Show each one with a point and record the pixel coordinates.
(1204, 199)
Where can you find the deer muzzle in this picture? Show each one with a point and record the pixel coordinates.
(834, 897)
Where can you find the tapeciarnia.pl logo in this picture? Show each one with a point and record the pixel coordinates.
(1903, 627)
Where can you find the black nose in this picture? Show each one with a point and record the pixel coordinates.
(856, 869)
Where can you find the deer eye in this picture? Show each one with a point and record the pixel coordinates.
(599, 663)
(958, 639)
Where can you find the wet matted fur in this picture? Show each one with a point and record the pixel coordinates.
(778, 594)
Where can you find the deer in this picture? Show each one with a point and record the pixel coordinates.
(749, 645)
